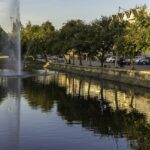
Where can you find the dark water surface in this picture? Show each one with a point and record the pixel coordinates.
(65, 112)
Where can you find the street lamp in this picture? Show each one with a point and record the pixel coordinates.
(119, 10)
(11, 20)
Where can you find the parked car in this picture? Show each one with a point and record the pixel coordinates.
(121, 62)
(137, 59)
(127, 61)
(111, 59)
(38, 56)
(144, 61)
(54, 59)
(60, 59)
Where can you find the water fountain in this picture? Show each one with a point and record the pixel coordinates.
(10, 46)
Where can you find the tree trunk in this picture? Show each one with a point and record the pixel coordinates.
(80, 59)
(116, 61)
(45, 56)
(90, 61)
(65, 59)
(102, 62)
(69, 61)
(132, 64)
(132, 60)
(73, 59)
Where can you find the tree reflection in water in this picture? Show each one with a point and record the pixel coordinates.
(77, 104)
(3, 90)
(39, 94)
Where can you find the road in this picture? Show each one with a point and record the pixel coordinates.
(111, 65)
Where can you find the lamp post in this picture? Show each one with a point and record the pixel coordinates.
(116, 60)
(11, 20)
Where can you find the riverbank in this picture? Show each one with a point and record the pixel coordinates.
(132, 77)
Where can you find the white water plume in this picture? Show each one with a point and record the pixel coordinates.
(11, 45)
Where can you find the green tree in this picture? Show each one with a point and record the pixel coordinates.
(136, 38)
(103, 40)
(3, 40)
(35, 38)
(74, 35)
(118, 29)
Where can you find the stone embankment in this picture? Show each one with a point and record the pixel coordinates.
(132, 77)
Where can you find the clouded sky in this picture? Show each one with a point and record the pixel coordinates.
(59, 11)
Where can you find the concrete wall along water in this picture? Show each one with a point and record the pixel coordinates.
(133, 77)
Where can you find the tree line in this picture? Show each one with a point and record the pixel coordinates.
(98, 38)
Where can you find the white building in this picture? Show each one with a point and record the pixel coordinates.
(129, 15)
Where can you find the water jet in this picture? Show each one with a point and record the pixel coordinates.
(11, 40)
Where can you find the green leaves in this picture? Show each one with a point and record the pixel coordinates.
(136, 37)
(35, 38)
(2, 38)
(100, 37)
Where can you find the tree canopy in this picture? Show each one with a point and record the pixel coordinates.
(97, 38)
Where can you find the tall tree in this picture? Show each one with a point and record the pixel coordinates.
(136, 38)
(36, 37)
(73, 33)
(103, 40)
(3, 40)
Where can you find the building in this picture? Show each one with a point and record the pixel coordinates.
(129, 15)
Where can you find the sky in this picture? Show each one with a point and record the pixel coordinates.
(60, 11)
(8, 10)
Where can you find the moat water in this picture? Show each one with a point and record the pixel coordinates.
(58, 111)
